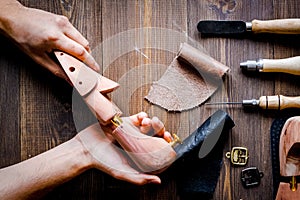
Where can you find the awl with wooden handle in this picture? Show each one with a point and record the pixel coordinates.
(286, 65)
(276, 102)
(278, 26)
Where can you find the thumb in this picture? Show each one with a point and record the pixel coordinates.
(142, 179)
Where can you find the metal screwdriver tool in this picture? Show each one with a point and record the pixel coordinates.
(276, 102)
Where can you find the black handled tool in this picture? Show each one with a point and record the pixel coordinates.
(278, 26)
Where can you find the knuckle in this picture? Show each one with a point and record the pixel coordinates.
(57, 72)
(51, 36)
(62, 20)
(80, 52)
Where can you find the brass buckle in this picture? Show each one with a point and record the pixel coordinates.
(116, 120)
(238, 156)
(175, 140)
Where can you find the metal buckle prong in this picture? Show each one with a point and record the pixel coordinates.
(116, 120)
(175, 140)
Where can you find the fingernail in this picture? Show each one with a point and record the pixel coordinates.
(154, 181)
(168, 137)
(97, 67)
(146, 122)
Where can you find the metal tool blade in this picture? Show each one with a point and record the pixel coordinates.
(221, 27)
(218, 103)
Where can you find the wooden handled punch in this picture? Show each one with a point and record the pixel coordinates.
(279, 102)
(286, 65)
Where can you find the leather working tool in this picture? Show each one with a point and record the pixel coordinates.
(278, 26)
(276, 102)
(150, 154)
(286, 65)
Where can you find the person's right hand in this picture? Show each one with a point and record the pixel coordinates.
(38, 33)
(106, 156)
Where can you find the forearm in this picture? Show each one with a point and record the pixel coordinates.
(8, 12)
(44, 171)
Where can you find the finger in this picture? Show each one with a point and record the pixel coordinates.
(137, 118)
(158, 127)
(141, 179)
(71, 32)
(52, 66)
(75, 49)
(168, 137)
(146, 125)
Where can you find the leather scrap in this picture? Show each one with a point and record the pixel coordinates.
(190, 79)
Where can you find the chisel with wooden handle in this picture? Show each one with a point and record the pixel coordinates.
(277, 26)
(286, 65)
(276, 102)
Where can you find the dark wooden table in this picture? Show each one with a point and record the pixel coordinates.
(36, 107)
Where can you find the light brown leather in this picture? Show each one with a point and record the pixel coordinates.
(191, 79)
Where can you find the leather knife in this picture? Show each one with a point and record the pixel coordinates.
(276, 26)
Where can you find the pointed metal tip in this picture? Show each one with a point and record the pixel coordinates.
(222, 103)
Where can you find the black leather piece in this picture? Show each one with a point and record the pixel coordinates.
(275, 131)
(211, 129)
(197, 178)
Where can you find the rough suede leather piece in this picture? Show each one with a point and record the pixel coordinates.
(190, 79)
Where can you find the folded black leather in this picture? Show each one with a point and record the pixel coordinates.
(197, 177)
(210, 130)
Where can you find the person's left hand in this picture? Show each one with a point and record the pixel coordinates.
(110, 158)
(38, 33)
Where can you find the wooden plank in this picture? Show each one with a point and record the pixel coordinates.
(237, 86)
(40, 116)
(9, 104)
(128, 34)
(46, 103)
(284, 47)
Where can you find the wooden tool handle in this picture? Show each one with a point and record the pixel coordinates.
(287, 65)
(280, 26)
(279, 102)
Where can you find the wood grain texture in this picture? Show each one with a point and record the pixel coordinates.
(36, 108)
(9, 105)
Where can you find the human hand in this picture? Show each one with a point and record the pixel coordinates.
(110, 158)
(38, 33)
